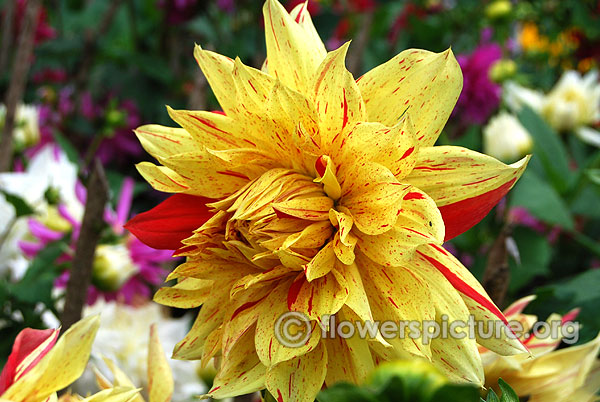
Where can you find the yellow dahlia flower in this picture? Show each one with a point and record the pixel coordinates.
(320, 194)
(571, 374)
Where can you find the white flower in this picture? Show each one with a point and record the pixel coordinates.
(48, 169)
(112, 267)
(123, 338)
(27, 130)
(505, 138)
(572, 105)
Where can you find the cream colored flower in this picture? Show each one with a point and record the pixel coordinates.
(505, 138)
(572, 105)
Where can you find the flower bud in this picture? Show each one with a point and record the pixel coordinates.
(505, 138)
(502, 70)
(498, 9)
(112, 267)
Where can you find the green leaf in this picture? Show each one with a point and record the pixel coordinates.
(535, 253)
(344, 392)
(549, 148)
(67, 147)
(594, 175)
(492, 397)
(508, 394)
(22, 208)
(541, 200)
(456, 393)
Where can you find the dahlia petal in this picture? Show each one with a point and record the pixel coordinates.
(351, 358)
(187, 293)
(312, 236)
(62, 365)
(474, 296)
(212, 346)
(253, 87)
(326, 175)
(337, 98)
(170, 222)
(518, 306)
(321, 264)
(291, 51)
(419, 222)
(217, 70)
(344, 251)
(210, 268)
(424, 83)
(208, 129)
(241, 372)
(372, 197)
(321, 296)
(161, 141)
(398, 294)
(160, 378)
(301, 15)
(394, 147)
(268, 346)
(211, 315)
(28, 349)
(299, 379)
(464, 184)
(162, 178)
(207, 175)
(243, 314)
(311, 209)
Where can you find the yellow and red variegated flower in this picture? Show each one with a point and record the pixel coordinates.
(566, 375)
(39, 365)
(317, 193)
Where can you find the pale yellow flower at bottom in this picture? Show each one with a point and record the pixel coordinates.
(571, 374)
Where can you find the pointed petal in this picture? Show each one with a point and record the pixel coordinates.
(475, 297)
(292, 51)
(62, 365)
(241, 373)
(161, 141)
(30, 346)
(187, 293)
(425, 84)
(419, 222)
(299, 379)
(160, 379)
(324, 295)
(337, 98)
(465, 184)
(217, 70)
(162, 178)
(171, 221)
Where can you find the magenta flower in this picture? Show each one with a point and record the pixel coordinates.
(480, 96)
(124, 270)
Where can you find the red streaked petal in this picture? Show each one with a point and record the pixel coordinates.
(27, 342)
(463, 215)
(171, 221)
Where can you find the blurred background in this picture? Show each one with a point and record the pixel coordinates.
(77, 76)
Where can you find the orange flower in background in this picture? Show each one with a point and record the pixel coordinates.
(320, 194)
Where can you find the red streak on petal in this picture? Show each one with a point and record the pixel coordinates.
(432, 168)
(320, 166)
(463, 215)
(345, 106)
(295, 289)
(480, 181)
(408, 152)
(464, 288)
(392, 301)
(245, 306)
(414, 196)
(234, 174)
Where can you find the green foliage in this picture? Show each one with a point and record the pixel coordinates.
(22, 208)
(402, 381)
(508, 394)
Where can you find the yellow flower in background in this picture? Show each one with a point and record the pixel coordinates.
(531, 40)
(564, 375)
(320, 194)
(39, 365)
